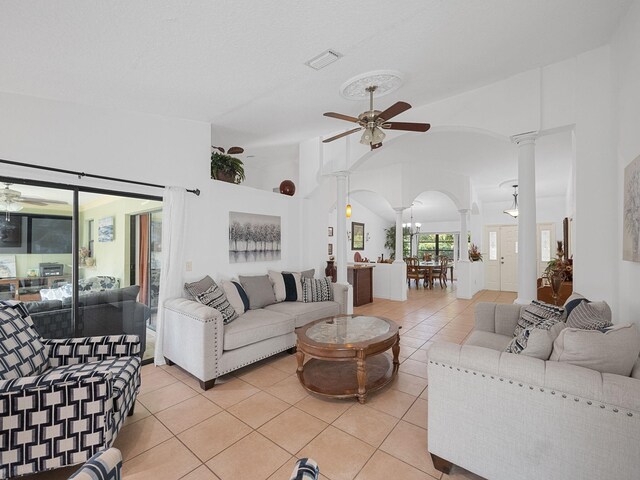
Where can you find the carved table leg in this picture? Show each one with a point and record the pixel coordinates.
(396, 352)
(300, 358)
(362, 377)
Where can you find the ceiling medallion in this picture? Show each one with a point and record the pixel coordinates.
(386, 81)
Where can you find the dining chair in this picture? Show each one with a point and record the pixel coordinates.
(441, 271)
(413, 270)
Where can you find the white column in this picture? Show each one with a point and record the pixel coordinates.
(527, 271)
(341, 227)
(464, 232)
(399, 239)
(456, 243)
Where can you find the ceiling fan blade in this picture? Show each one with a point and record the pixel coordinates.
(340, 116)
(220, 149)
(343, 134)
(376, 145)
(43, 201)
(411, 127)
(33, 202)
(395, 109)
(235, 150)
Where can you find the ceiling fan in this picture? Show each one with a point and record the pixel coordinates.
(11, 200)
(373, 121)
(231, 151)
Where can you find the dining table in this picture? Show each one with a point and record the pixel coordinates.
(427, 268)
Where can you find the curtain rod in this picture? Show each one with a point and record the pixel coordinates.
(195, 191)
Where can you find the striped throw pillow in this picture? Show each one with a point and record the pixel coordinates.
(538, 326)
(214, 297)
(317, 290)
(237, 296)
(590, 316)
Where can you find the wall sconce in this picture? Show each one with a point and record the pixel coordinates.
(368, 237)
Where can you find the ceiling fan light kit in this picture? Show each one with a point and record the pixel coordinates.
(373, 121)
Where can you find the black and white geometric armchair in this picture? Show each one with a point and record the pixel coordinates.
(60, 400)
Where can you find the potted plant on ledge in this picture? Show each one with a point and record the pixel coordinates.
(226, 168)
(474, 253)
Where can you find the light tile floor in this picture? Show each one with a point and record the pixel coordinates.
(255, 423)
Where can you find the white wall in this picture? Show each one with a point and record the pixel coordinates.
(596, 183)
(374, 226)
(626, 64)
(146, 148)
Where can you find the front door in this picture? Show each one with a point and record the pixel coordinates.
(509, 258)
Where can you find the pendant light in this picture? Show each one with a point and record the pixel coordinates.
(513, 211)
(348, 203)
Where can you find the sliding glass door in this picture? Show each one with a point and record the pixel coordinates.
(65, 252)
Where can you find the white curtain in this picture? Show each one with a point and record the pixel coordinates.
(172, 266)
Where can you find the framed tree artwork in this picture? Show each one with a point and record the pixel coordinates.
(357, 236)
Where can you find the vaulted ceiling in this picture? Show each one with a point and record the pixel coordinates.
(240, 64)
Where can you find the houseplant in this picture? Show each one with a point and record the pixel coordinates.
(226, 168)
(474, 253)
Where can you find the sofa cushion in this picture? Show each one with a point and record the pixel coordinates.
(237, 296)
(22, 353)
(254, 326)
(215, 297)
(194, 289)
(279, 288)
(317, 289)
(125, 372)
(612, 350)
(108, 296)
(98, 284)
(259, 290)
(589, 315)
(304, 313)
(538, 326)
(59, 293)
(494, 341)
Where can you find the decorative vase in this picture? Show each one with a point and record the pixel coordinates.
(287, 187)
(331, 270)
(555, 282)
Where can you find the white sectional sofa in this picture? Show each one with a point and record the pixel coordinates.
(196, 339)
(506, 416)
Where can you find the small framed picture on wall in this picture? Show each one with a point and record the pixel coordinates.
(331, 231)
(330, 249)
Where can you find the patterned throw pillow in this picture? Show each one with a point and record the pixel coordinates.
(22, 354)
(317, 289)
(590, 316)
(537, 328)
(237, 296)
(196, 288)
(214, 297)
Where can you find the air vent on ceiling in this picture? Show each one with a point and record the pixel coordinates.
(324, 59)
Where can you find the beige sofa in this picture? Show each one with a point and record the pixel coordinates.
(196, 339)
(506, 416)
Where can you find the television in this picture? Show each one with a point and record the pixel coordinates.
(50, 234)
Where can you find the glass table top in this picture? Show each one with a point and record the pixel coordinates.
(347, 329)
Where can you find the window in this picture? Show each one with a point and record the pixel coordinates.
(436, 244)
(493, 245)
(545, 245)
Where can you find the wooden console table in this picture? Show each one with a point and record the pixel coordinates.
(361, 278)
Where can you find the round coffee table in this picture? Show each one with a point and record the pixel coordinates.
(345, 351)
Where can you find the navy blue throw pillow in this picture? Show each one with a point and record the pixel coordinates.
(290, 287)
